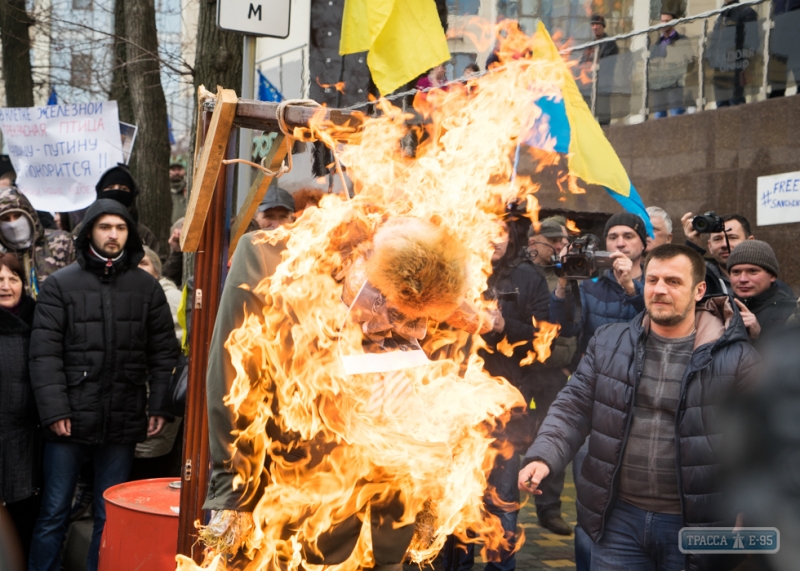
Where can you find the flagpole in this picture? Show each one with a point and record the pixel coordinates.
(244, 173)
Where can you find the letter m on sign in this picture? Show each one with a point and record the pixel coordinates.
(254, 11)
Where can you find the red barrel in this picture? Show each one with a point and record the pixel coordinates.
(141, 526)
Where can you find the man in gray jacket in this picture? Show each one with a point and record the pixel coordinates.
(649, 393)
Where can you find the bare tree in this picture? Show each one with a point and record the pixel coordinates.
(150, 114)
(14, 24)
(120, 88)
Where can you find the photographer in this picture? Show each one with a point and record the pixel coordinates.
(715, 245)
(616, 296)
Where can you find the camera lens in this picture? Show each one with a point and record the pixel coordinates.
(700, 225)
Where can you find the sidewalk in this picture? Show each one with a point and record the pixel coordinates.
(542, 549)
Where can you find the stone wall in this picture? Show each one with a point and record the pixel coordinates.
(707, 161)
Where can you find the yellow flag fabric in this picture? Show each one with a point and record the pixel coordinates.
(404, 38)
(591, 156)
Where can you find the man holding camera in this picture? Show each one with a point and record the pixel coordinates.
(615, 296)
(737, 228)
(753, 270)
(720, 244)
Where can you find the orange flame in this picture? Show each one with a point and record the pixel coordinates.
(421, 434)
(543, 339)
(339, 86)
(572, 227)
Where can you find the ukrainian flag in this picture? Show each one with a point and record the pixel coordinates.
(404, 38)
(578, 135)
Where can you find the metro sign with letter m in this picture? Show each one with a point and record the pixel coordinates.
(269, 18)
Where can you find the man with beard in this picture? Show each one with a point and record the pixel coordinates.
(102, 353)
(649, 392)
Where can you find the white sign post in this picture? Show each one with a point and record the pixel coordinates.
(269, 18)
(60, 151)
(779, 199)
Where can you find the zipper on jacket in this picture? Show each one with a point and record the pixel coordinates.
(639, 366)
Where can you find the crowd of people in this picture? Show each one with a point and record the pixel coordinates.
(92, 334)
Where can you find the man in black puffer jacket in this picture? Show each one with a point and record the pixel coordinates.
(650, 392)
(102, 333)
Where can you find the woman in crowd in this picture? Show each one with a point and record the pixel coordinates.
(20, 447)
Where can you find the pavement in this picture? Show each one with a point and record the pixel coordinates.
(541, 549)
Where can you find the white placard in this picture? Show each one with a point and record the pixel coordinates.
(779, 199)
(60, 151)
(268, 18)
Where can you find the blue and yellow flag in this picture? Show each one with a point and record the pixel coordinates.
(590, 156)
(404, 38)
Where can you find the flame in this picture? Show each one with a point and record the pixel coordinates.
(339, 86)
(543, 339)
(572, 227)
(431, 447)
(507, 348)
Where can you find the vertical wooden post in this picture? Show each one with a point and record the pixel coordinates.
(210, 269)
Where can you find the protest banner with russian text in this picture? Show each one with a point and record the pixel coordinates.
(60, 151)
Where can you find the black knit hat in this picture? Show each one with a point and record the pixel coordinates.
(754, 252)
(627, 219)
(117, 175)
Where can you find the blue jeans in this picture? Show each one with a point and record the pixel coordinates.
(638, 540)
(503, 478)
(583, 543)
(62, 464)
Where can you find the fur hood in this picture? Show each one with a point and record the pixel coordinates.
(419, 267)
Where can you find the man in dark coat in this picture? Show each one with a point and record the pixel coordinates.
(102, 333)
(650, 394)
(765, 307)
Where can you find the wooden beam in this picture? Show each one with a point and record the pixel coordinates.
(210, 271)
(263, 115)
(205, 175)
(273, 161)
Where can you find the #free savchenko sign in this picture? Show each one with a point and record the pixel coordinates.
(60, 151)
(779, 199)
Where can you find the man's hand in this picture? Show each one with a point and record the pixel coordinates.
(691, 234)
(750, 321)
(62, 427)
(531, 476)
(175, 240)
(155, 425)
(622, 271)
(561, 288)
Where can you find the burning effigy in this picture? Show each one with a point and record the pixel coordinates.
(351, 419)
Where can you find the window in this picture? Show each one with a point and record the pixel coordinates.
(81, 70)
(82, 4)
(463, 7)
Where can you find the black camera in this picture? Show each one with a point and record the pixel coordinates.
(583, 259)
(708, 223)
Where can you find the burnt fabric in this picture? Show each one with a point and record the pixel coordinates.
(648, 479)
(599, 397)
(19, 432)
(101, 334)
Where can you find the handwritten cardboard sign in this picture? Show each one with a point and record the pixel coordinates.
(60, 151)
(779, 199)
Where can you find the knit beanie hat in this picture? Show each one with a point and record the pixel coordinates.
(754, 252)
(627, 219)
